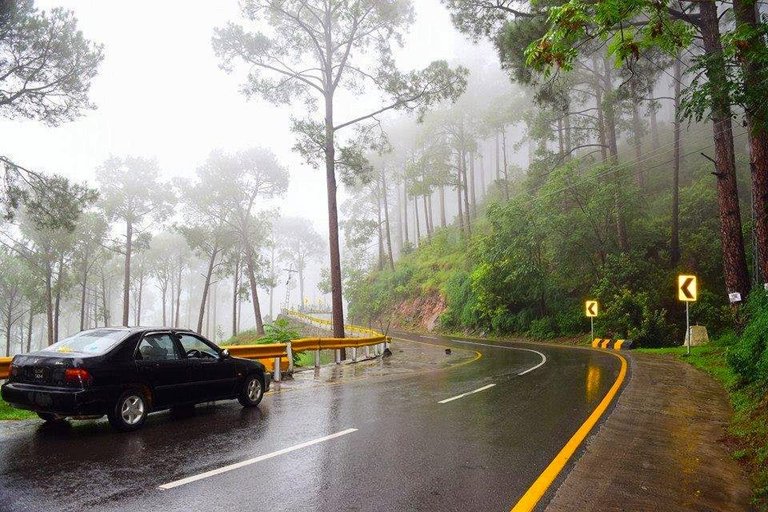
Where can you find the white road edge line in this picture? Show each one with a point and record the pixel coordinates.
(254, 460)
(489, 386)
(543, 357)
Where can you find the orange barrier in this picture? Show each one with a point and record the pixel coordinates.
(265, 351)
(5, 367)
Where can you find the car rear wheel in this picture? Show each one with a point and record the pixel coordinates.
(129, 412)
(251, 392)
(49, 417)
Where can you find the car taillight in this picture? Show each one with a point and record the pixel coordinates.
(77, 376)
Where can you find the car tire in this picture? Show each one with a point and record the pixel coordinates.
(251, 392)
(50, 417)
(130, 411)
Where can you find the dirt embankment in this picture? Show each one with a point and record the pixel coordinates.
(420, 313)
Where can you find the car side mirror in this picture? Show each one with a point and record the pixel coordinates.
(224, 354)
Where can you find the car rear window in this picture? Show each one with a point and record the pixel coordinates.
(97, 341)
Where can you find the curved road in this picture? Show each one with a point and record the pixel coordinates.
(408, 451)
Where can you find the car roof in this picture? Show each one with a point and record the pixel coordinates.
(135, 329)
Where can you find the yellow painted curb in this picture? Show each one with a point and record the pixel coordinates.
(545, 479)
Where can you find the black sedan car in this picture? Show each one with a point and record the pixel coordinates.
(128, 372)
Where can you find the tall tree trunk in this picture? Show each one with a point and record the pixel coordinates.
(405, 212)
(301, 286)
(756, 114)
(176, 320)
(600, 119)
(251, 268)
(443, 222)
(482, 176)
(636, 131)
(674, 250)
(60, 276)
(208, 315)
(416, 217)
(460, 213)
(29, 327)
(49, 302)
(173, 298)
(654, 127)
(127, 271)
(431, 216)
(568, 134)
(506, 165)
(386, 222)
(206, 288)
(8, 325)
(104, 302)
(466, 191)
(472, 193)
(236, 289)
(380, 231)
(498, 158)
(731, 237)
(83, 290)
(164, 291)
(138, 303)
(426, 216)
(400, 239)
(333, 216)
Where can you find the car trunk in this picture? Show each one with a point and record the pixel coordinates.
(43, 369)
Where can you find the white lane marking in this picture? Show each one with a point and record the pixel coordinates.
(430, 337)
(248, 462)
(489, 386)
(543, 357)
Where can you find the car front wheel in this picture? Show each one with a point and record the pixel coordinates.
(251, 392)
(129, 412)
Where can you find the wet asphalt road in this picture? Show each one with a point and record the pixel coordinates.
(409, 452)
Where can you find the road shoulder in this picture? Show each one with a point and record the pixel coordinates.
(663, 443)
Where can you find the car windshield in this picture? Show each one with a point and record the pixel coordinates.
(97, 341)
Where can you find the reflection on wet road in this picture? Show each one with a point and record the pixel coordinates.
(409, 452)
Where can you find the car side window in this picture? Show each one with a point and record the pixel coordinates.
(157, 347)
(195, 347)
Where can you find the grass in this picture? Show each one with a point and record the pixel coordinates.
(11, 413)
(748, 430)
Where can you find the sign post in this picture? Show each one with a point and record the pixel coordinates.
(687, 291)
(592, 310)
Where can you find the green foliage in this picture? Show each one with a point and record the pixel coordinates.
(11, 413)
(749, 356)
(280, 331)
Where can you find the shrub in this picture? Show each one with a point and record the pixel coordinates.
(543, 328)
(749, 355)
(630, 315)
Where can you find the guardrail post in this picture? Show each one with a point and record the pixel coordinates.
(277, 369)
(290, 356)
(354, 354)
(367, 351)
(386, 343)
(317, 358)
(337, 356)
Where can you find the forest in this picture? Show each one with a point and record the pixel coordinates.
(624, 145)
